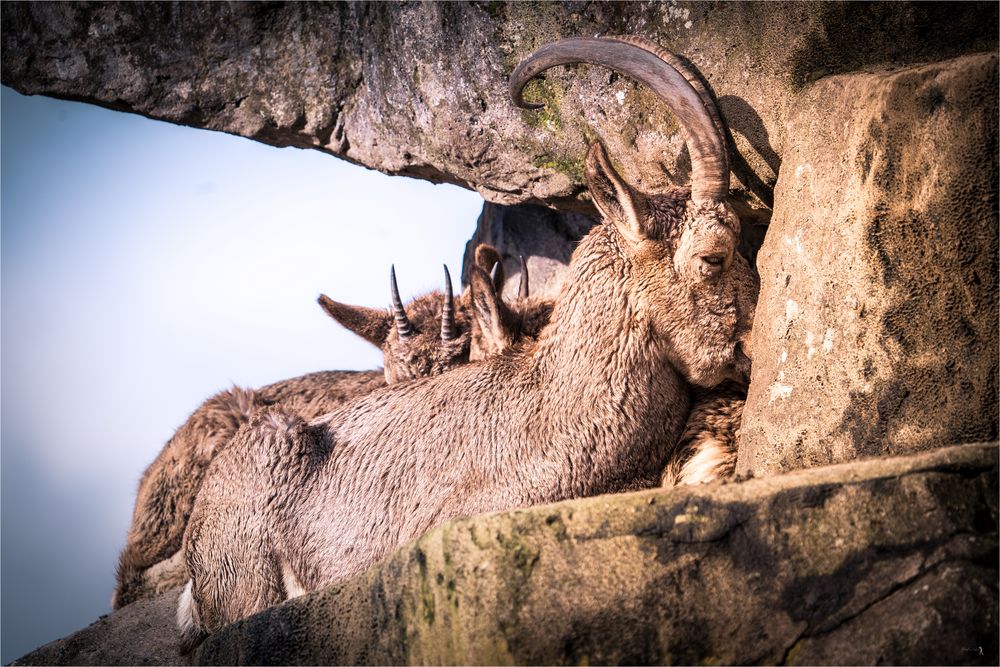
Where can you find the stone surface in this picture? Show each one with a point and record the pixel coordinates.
(796, 567)
(544, 237)
(892, 560)
(876, 328)
(143, 633)
(420, 88)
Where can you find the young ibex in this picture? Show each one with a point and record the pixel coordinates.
(655, 295)
(496, 325)
(428, 339)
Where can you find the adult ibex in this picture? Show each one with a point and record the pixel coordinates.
(426, 337)
(706, 451)
(655, 295)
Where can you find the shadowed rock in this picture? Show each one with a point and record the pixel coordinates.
(892, 560)
(143, 633)
(876, 327)
(544, 237)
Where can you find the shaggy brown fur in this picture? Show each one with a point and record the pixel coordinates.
(167, 489)
(148, 565)
(594, 406)
(706, 451)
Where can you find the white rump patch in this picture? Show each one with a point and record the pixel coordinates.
(711, 462)
(293, 587)
(187, 613)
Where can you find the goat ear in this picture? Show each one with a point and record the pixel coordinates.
(491, 319)
(371, 324)
(486, 258)
(615, 200)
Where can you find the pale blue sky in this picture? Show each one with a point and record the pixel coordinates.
(146, 266)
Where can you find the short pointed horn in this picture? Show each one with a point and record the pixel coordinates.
(493, 273)
(448, 309)
(665, 75)
(522, 286)
(403, 326)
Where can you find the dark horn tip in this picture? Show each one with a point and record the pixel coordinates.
(516, 90)
(522, 287)
(447, 309)
(403, 326)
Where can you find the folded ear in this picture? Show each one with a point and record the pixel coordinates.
(615, 200)
(372, 324)
(492, 321)
(486, 258)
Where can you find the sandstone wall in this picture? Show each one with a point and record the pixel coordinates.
(886, 561)
(876, 329)
(420, 88)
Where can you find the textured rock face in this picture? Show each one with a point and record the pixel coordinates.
(876, 328)
(825, 565)
(392, 87)
(885, 561)
(143, 633)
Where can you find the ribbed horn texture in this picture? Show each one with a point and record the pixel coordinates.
(664, 74)
(522, 286)
(403, 326)
(447, 309)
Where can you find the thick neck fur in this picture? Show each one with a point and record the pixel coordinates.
(591, 407)
(607, 378)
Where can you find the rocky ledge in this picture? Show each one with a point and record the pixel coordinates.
(890, 560)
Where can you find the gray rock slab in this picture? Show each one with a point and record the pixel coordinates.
(419, 89)
(876, 327)
(544, 237)
(143, 633)
(890, 560)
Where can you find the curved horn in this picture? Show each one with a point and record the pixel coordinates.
(448, 309)
(522, 287)
(664, 74)
(403, 326)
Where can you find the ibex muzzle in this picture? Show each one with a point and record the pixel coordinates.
(655, 296)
